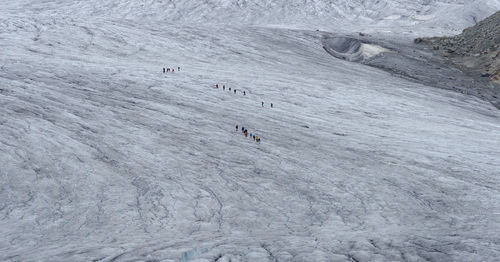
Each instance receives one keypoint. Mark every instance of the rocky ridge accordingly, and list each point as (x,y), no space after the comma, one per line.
(476,50)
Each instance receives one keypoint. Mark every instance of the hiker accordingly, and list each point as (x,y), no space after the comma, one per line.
(254,137)
(168,70)
(230,89)
(178,68)
(164,70)
(242,129)
(262,103)
(235,91)
(236,127)
(244,93)
(223,87)
(271,105)
(246,133)
(250,134)
(173,70)
(217,85)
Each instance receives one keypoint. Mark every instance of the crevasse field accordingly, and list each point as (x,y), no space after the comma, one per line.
(105,158)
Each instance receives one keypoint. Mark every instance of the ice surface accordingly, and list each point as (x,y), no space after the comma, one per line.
(371,50)
(105,158)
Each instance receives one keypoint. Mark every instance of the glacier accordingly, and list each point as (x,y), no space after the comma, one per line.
(105,158)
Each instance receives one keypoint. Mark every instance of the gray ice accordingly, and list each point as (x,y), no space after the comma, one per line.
(105,158)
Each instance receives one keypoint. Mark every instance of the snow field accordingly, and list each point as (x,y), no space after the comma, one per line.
(103,157)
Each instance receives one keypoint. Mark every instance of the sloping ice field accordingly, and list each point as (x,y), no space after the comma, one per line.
(103,157)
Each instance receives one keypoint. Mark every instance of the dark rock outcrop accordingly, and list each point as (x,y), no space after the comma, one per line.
(476,50)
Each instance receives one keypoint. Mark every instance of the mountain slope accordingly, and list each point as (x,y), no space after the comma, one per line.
(105,158)
(421,15)
(476,49)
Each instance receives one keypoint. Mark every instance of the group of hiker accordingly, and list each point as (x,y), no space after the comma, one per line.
(234,89)
(168,69)
(246,133)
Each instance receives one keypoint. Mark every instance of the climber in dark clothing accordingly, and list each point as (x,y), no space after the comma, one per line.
(244,93)
(235,91)
(164,70)
(271,105)
(236,127)
(262,103)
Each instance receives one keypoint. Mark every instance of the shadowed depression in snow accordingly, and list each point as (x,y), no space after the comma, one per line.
(105,157)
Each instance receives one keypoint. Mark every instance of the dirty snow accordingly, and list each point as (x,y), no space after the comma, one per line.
(105,158)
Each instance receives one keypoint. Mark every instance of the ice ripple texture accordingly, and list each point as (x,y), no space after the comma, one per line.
(104,158)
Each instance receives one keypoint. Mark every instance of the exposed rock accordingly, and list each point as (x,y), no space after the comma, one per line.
(475,50)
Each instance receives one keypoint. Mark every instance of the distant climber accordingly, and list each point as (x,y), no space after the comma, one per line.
(223,87)
(230,89)
(236,127)
(250,134)
(254,137)
(164,70)
(244,93)
(168,70)
(242,129)
(178,68)
(173,70)
(235,91)
(217,85)
(271,105)
(262,103)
